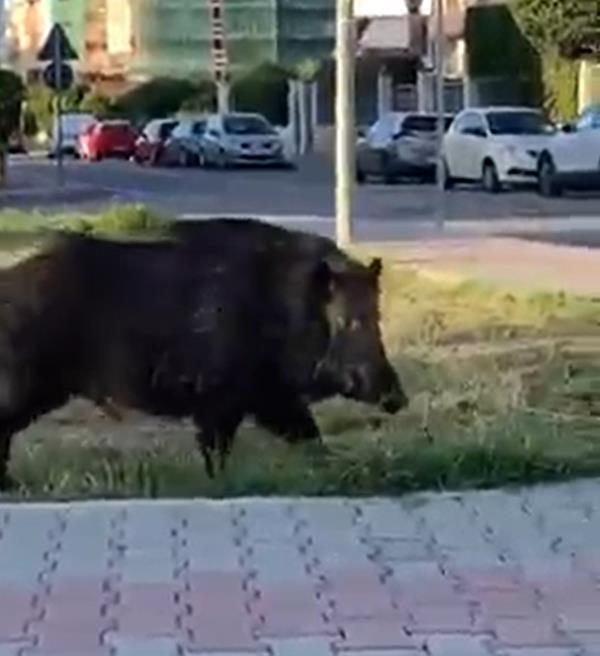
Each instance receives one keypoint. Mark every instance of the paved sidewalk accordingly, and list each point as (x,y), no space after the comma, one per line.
(478,574)
(533,266)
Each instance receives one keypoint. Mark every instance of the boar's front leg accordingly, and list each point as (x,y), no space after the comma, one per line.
(216,433)
(287,415)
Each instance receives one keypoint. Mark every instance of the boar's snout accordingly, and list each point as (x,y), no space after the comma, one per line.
(384,389)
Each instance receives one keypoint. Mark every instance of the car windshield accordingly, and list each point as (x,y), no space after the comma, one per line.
(247,125)
(518,123)
(166,129)
(424,123)
(199,128)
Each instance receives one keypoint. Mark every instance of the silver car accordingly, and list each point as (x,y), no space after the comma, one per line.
(398,145)
(185,146)
(241,139)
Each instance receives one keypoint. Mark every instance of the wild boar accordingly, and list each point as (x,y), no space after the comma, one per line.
(228,320)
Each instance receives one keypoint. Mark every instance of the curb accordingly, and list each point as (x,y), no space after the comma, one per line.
(11,198)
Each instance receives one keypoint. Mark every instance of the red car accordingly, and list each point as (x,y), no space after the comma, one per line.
(150,144)
(107,139)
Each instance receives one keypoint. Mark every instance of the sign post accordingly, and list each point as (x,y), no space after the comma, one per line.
(59,77)
(439,95)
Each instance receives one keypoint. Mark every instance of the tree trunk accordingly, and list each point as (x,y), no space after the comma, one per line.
(3,161)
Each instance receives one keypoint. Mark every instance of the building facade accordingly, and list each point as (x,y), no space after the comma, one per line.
(141,39)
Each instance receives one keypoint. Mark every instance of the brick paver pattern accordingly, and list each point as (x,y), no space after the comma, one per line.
(494,573)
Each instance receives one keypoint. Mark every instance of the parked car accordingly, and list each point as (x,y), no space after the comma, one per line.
(496,146)
(241,138)
(16,144)
(185,146)
(399,144)
(107,139)
(73,125)
(149,146)
(571,160)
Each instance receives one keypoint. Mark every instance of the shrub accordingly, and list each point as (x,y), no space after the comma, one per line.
(155,99)
(263,90)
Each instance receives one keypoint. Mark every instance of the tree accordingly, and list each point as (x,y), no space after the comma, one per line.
(156,98)
(263,89)
(39,109)
(561,31)
(97,104)
(12,93)
(204,98)
(565,26)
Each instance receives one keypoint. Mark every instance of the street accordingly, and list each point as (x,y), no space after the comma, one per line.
(305,197)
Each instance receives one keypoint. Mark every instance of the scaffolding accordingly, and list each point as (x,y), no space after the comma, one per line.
(192,38)
(177,38)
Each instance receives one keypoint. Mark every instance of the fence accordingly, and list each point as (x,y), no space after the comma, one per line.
(406,96)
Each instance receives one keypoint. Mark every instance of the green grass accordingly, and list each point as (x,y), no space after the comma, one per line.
(17,228)
(504,387)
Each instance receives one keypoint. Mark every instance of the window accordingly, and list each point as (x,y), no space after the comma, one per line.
(511,123)
(166,129)
(241,125)
(590,119)
(424,123)
(470,123)
(198,128)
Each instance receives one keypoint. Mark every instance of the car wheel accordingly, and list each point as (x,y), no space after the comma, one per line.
(182,158)
(221,160)
(361,176)
(489,178)
(547,183)
(388,177)
(448,180)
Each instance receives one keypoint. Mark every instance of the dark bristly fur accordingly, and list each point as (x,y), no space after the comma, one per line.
(230,318)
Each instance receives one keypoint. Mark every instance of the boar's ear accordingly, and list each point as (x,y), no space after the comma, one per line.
(375,267)
(323,279)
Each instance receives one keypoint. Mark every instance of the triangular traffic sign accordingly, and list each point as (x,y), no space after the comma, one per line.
(57,39)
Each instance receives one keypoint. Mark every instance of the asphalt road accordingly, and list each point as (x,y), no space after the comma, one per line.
(305,196)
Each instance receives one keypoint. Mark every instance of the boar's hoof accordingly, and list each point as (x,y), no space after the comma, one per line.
(208,463)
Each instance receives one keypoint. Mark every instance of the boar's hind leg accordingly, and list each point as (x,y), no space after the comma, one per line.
(7,432)
(287,416)
(5,442)
(216,434)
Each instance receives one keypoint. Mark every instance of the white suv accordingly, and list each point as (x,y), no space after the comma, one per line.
(496,146)
(572,158)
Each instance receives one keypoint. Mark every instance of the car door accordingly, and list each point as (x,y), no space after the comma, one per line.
(577,146)
(461,147)
(211,139)
(372,148)
(586,143)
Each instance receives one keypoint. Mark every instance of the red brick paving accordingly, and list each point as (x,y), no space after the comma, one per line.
(366,607)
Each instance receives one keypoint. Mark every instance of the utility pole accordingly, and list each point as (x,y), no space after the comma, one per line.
(345,138)
(439,94)
(58,62)
(219,55)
